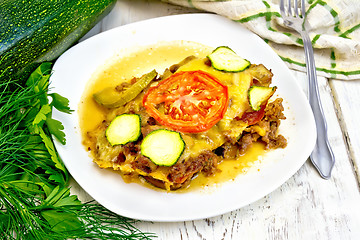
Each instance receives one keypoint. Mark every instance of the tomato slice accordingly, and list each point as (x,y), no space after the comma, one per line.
(187,101)
(254,116)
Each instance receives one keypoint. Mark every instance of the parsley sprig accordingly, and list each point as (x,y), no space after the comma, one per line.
(35,199)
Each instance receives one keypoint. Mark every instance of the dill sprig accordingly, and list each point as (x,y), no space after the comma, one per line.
(35,199)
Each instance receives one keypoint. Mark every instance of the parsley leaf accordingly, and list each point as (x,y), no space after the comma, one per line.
(58,219)
(41,116)
(60,103)
(55,128)
(51,148)
(39,81)
(61,221)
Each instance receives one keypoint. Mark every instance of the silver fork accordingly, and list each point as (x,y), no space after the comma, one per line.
(322,156)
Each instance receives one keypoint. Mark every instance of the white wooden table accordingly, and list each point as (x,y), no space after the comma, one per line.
(304,207)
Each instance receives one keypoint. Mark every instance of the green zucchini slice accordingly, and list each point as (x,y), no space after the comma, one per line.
(259,95)
(225,59)
(111,98)
(123,129)
(163,147)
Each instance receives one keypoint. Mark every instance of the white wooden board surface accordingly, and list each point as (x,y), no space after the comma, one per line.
(304,207)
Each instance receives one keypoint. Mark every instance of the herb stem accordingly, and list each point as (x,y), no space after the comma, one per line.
(35,200)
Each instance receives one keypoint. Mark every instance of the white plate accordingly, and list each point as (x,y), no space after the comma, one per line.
(74,68)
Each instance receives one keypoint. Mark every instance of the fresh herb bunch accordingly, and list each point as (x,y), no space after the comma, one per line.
(35,200)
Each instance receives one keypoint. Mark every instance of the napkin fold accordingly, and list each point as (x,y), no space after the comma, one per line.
(333,26)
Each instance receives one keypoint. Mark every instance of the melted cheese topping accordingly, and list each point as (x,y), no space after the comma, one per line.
(161,57)
(238,85)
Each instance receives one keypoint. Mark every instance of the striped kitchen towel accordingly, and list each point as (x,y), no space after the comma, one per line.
(333,25)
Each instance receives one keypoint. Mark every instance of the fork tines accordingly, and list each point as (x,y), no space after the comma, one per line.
(292,10)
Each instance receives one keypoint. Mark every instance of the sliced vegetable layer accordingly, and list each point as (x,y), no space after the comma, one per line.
(254,117)
(111,98)
(188,101)
(258,95)
(225,59)
(123,129)
(163,147)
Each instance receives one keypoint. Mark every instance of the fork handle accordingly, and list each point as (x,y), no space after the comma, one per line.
(322,156)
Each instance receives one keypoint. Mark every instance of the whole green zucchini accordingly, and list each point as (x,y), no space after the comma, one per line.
(36,31)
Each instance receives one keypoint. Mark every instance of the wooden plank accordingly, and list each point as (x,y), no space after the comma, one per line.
(347,105)
(129,11)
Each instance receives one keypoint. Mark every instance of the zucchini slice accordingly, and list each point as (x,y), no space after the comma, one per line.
(123,129)
(259,95)
(225,59)
(111,98)
(163,147)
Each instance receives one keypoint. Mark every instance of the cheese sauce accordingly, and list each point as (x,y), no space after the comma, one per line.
(129,64)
